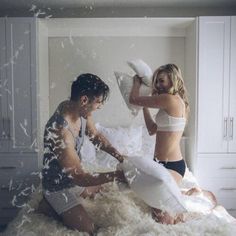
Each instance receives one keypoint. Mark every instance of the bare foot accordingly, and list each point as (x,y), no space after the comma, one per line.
(211,196)
(193,191)
(206,193)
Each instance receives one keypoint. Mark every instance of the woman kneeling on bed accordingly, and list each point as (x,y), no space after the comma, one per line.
(169,96)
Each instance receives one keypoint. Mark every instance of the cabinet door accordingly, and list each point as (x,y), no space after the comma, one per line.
(214,39)
(21,74)
(4,121)
(232,114)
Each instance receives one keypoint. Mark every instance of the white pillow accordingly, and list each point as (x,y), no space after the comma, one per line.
(148,143)
(125,83)
(88,151)
(142,70)
(153,183)
(127,141)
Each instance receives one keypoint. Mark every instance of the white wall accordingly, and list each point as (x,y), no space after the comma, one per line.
(70,56)
(191,85)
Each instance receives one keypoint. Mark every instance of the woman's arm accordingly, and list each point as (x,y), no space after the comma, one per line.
(156,101)
(150,124)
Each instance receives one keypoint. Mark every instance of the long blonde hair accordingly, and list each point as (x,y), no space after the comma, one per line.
(178,87)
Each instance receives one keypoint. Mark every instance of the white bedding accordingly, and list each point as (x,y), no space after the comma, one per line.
(118,211)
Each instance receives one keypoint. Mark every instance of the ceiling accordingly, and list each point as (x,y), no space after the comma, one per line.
(7,4)
(44,7)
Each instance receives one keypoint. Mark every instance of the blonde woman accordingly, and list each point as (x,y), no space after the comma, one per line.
(169,96)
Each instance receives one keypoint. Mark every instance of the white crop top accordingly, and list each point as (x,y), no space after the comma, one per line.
(165,122)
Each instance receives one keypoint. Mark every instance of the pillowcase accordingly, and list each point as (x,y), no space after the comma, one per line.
(148,143)
(142,70)
(125,83)
(88,151)
(153,183)
(127,141)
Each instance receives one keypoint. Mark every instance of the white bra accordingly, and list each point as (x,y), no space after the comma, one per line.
(165,122)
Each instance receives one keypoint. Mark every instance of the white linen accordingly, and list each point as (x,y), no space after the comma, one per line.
(122,212)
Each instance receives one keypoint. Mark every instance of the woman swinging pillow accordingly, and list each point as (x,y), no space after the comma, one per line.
(169,96)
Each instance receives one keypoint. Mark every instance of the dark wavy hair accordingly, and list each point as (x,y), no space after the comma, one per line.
(91,86)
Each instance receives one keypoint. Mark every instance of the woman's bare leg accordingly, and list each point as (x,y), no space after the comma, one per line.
(178,178)
(206,193)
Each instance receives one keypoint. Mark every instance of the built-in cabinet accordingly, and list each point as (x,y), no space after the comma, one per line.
(232,94)
(3,90)
(216,111)
(18,108)
(217,82)
(18,118)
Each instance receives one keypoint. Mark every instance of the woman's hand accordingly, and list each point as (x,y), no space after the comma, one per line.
(137,80)
(135,89)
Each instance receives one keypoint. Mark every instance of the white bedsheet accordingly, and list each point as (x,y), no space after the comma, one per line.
(117,211)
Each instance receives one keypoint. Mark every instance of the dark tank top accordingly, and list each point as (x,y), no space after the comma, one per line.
(54,177)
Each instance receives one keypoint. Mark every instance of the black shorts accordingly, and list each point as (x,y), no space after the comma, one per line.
(178,166)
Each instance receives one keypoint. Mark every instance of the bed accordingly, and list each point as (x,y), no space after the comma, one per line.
(118,210)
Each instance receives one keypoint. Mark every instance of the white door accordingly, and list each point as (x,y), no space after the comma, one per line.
(214,33)
(21,53)
(232,113)
(4,121)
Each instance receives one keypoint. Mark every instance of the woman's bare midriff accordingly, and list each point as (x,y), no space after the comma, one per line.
(168,149)
(168,146)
